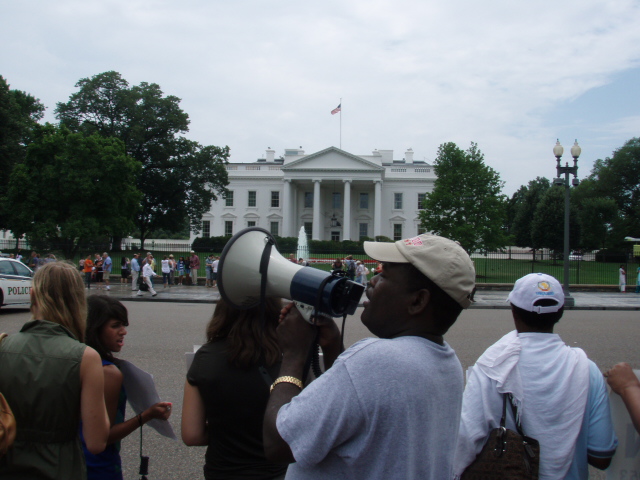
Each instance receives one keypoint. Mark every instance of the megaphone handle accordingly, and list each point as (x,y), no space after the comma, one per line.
(313,360)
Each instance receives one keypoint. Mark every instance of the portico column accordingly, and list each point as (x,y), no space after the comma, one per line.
(315,235)
(346,228)
(377,208)
(287,211)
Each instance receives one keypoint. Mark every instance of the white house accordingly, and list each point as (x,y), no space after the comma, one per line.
(334,194)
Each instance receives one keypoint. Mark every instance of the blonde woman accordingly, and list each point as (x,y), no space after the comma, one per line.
(52,381)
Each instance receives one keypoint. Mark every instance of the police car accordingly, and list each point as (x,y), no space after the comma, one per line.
(15,282)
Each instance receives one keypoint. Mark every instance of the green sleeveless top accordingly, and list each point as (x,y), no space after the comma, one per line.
(40,378)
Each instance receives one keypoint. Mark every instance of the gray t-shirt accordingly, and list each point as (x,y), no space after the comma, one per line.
(385,409)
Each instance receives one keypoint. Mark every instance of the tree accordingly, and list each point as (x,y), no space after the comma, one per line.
(618,178)
(596,215)
(547,227)
(72,188)
(19,116)
(466,204)
(524,211)
(180,178)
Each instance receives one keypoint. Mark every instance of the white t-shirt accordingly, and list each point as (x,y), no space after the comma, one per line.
(165,266)
(386,409)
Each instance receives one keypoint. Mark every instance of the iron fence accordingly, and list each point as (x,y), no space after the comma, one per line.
(491,267)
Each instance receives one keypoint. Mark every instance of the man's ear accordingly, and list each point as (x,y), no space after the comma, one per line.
(421,299)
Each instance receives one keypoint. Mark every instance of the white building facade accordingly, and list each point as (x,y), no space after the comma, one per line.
(334,194)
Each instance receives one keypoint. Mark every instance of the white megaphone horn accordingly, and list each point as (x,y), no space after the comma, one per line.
(250,266)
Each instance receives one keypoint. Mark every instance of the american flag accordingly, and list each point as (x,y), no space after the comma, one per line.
(336,110)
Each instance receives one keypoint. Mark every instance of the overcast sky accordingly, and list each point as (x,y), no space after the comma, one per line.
(510,76)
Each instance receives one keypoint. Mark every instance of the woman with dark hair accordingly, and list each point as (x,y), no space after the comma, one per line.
(107,320)
(227,390)
(125,268)
(52,381)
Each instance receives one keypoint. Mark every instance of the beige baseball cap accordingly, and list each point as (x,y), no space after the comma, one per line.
(442,260)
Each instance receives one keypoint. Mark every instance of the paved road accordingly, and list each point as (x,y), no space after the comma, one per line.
(160,333)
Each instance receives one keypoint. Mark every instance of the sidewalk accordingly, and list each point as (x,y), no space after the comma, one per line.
(488,299)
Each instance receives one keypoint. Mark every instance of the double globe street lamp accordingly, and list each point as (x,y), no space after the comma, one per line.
(558,150)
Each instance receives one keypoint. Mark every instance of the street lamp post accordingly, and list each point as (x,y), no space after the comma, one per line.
(558,150)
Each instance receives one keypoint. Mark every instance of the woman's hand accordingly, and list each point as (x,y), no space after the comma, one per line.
(161,410)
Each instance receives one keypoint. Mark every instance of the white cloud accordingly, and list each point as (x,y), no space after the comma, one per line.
(253,74)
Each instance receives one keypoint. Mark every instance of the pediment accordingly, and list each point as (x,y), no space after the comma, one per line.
(333,159)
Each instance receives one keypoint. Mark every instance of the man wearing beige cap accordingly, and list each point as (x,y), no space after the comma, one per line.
(388,407)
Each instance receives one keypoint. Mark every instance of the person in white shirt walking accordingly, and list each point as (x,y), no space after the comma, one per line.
(147,274)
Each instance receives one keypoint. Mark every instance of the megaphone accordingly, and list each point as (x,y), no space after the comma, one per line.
(251,267)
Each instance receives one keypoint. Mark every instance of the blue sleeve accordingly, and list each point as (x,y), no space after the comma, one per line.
(602,441)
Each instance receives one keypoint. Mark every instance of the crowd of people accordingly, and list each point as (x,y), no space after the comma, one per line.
(393,406)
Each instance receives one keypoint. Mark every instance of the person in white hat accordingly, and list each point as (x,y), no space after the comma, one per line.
(559,394)
(388,407)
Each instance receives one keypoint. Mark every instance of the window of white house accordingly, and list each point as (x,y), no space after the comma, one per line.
(206,229)
(274,228)
(308,199)
(397,201)
(364,200)
(228,228)
(252,198)
(364,230)
(308,229)
(251,223)
(228,199)
(336,200)
(335,236)
(275,199)
(421,198)
(397,231)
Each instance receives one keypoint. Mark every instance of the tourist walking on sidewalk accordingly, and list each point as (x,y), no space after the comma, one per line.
(107,265)
(135,271)
(147,275)
(194,261)
(166,271)
(623,279)
(88,269)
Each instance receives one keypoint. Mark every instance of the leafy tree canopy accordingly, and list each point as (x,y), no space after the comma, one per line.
(547,227)
(19,114)
(72,188)
(179,178)
(618,178)
(466,204)
(524,209)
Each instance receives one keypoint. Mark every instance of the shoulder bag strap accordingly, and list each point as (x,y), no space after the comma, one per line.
(504,410)
(514,411)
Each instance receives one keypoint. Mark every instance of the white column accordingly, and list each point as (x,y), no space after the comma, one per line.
(287,211)
(317,220)
(377,209)
(346,227)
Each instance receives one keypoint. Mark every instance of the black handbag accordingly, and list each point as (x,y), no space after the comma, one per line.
(142,285)
(506,454)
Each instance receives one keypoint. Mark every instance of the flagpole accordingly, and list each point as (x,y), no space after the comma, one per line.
(340,123)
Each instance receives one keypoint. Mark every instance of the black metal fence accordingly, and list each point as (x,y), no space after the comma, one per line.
(491,267)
